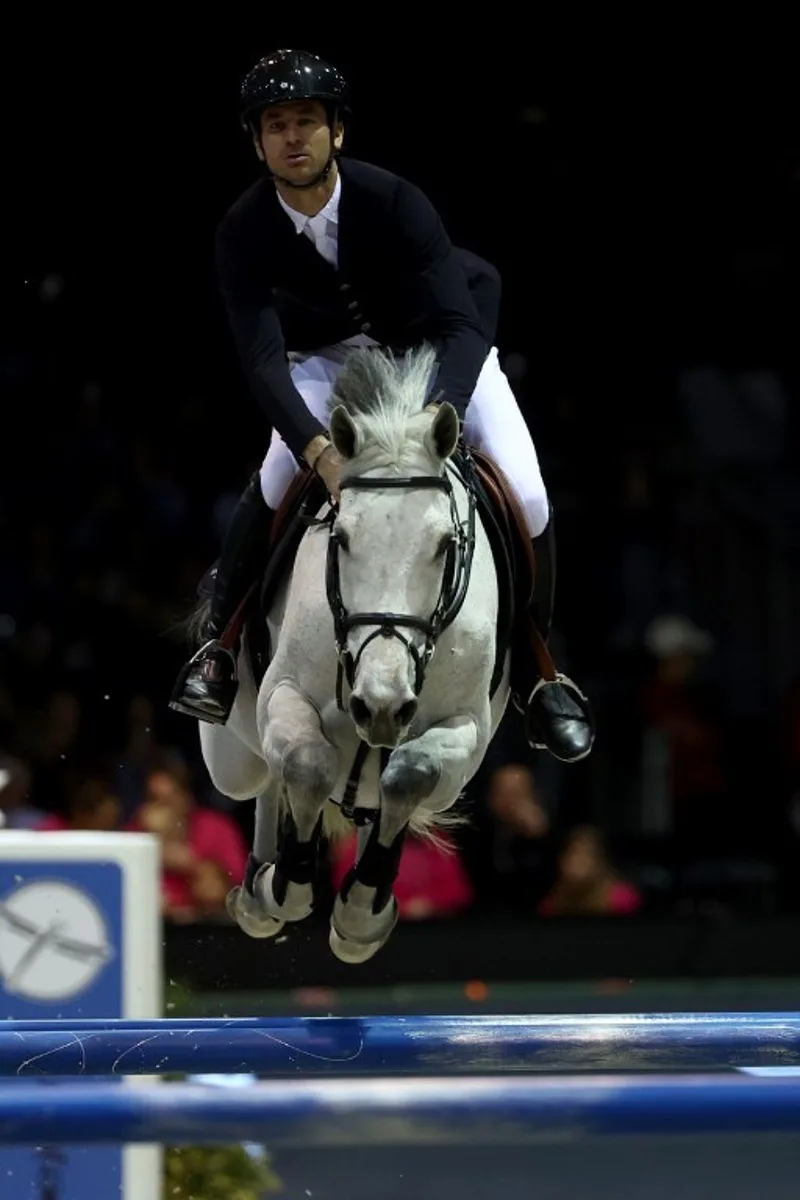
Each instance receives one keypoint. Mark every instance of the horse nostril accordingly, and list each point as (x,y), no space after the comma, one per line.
(359,711)
(406,712)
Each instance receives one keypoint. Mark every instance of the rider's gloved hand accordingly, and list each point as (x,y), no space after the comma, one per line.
(323,457)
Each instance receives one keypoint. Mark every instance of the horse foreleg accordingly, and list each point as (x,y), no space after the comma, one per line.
(434,768)
(240,774)
(429,770)
(245,903)
(304,763)
(265,835)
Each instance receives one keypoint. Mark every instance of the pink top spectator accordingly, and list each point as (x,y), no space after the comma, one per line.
(212,837)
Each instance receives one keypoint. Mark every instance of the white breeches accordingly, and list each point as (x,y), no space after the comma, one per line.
(493,425)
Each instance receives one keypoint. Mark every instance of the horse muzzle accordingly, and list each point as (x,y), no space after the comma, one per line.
(386,726)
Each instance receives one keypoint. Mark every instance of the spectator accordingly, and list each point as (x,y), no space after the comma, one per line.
(586,884)
(203,852)
(16,812)
(678,715)
(90,804)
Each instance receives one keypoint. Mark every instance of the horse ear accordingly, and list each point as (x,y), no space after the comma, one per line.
(344,434)
(444,430)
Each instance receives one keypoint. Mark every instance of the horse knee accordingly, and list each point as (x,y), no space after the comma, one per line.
(410,775)
(310,768)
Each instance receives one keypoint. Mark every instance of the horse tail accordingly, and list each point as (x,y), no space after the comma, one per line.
(191,628)
(195,622)
(334,823)
(427,826)
(430,826)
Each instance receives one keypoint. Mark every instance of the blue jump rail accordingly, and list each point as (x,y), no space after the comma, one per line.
(390,1111)
(427,1045)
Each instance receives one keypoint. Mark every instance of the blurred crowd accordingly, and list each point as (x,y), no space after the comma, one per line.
(677,601)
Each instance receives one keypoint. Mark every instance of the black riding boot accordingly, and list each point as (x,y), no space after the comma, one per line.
(206,687)
(557,715)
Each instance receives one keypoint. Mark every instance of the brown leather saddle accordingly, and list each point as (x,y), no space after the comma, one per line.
(515,563)
(501,517)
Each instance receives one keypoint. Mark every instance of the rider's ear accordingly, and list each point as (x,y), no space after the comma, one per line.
(443,434)
(344,434)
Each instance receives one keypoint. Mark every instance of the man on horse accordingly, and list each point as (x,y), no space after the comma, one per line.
(321,254)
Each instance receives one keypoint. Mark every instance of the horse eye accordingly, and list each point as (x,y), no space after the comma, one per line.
(343,539)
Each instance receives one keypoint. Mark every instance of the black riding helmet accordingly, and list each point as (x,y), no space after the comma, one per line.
(286,76)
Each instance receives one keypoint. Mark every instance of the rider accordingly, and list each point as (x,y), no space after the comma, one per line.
(323,253)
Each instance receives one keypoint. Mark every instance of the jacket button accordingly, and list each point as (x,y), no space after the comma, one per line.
(365,328)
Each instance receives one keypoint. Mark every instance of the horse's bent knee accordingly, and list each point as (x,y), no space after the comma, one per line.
(310,767)
(410,774)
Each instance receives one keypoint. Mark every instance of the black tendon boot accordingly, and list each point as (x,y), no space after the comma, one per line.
(206,687)
(557,715)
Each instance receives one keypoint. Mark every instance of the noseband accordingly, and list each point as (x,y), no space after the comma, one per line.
(455,581)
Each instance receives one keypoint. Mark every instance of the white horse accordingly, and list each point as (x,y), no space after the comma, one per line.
(378,696)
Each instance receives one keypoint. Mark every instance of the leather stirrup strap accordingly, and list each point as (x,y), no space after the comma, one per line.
(233,630)
(544,660)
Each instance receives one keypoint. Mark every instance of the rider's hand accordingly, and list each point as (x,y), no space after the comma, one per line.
(323,457)
(329,469)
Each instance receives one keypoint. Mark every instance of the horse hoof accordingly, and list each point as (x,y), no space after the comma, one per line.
(250,915)
(297,904)
(355,936)
(353,952)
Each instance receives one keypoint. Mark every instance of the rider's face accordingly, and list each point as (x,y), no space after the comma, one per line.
(295,139)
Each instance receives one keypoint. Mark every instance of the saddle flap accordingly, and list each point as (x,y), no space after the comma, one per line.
(512,521)
(516,563)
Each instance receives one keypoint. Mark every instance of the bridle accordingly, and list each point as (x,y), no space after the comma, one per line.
(452,592)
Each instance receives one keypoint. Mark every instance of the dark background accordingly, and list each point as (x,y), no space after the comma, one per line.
(638,189)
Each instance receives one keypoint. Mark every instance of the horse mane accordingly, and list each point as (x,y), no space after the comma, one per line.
(383,393)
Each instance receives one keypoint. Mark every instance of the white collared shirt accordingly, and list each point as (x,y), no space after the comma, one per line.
(323,229)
